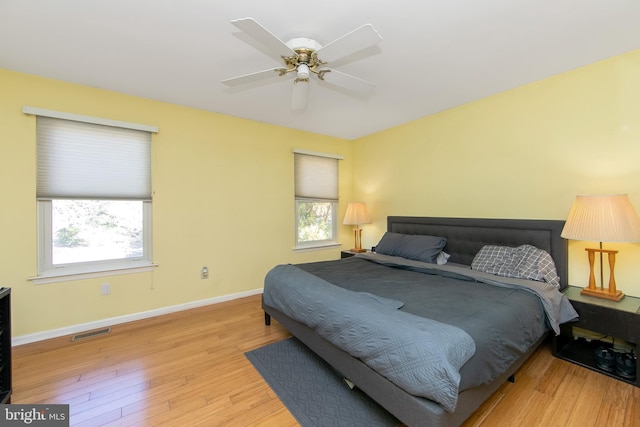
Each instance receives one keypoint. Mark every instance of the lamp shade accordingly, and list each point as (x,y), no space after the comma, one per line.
(357,214)
(603,218)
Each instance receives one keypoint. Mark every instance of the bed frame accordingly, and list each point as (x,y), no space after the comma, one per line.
(465,237)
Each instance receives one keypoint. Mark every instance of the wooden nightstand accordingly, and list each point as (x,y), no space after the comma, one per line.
(619,320)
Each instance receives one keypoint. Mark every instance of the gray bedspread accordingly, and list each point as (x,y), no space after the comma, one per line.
(503,321)
(557,307)
(421,356)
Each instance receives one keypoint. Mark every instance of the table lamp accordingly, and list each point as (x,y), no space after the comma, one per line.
(357,214)
(603,218)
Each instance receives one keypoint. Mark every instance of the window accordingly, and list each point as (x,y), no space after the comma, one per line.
(316,199)
(93,195)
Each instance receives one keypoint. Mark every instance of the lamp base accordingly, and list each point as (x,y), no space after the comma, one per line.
(603,293)
(610,293)
(357,250)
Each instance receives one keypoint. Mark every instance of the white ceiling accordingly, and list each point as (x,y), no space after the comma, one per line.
(434,54)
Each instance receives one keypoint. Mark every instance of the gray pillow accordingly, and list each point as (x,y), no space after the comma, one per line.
(411,246)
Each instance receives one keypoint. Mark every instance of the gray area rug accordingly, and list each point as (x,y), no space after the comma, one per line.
(312,391)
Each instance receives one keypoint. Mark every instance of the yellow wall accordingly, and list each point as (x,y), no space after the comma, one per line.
(524,153)
(223,197)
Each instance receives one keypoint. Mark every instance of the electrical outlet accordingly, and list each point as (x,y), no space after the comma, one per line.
(105,289)
(204,274)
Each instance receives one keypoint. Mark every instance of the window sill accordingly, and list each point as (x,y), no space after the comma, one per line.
(317,247)
(69,274)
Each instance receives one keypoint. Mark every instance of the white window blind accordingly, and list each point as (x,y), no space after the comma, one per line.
(316,177)
(79,160)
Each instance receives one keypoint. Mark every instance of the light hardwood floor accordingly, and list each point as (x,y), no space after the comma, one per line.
(189,369)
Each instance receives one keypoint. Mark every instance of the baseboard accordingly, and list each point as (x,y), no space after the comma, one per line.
(70,330)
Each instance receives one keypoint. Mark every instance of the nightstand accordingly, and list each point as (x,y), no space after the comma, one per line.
(619,320)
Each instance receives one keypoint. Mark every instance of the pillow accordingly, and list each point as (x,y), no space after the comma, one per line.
(522,262)
(411,246)
(537,264)
(442,258)
(498,260)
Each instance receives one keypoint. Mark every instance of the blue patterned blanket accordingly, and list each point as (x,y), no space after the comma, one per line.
(421,356)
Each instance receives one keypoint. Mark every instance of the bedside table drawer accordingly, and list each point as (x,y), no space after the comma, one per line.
(619,324)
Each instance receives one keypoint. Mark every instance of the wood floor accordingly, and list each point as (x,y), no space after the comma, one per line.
(189,369)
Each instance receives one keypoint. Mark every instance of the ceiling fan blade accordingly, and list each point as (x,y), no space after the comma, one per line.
(271,45)
(348,82)
(357,40)
(300,94)
(251,78)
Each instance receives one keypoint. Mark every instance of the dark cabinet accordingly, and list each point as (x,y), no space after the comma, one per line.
(618,320)
(5,345)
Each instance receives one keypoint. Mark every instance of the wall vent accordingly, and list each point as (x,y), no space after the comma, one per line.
(90,334)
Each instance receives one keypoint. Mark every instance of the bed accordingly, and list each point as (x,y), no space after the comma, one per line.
(458,314)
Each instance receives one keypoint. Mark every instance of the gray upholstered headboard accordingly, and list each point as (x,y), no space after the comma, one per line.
(466,236)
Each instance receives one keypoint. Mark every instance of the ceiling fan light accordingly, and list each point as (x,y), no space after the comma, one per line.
(303,43)
(303,71)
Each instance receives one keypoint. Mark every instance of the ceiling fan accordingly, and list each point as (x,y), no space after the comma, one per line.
(303,57)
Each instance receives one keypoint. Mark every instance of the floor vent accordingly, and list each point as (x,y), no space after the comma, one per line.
(90,334)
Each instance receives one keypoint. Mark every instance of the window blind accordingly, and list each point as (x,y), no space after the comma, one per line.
(316,177)
(77,160)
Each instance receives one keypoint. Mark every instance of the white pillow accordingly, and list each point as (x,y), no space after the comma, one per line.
(442,259)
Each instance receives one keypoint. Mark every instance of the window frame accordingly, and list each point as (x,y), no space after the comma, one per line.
(51,273)
(317,244)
